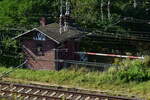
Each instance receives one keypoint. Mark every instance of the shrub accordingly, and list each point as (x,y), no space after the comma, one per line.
(133,71)
(112,70)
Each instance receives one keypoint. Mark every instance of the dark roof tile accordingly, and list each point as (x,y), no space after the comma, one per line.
(52,30)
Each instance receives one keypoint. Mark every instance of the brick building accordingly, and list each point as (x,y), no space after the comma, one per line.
(42,46)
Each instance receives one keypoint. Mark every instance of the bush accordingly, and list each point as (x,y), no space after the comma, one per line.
(133,71)
(112,70)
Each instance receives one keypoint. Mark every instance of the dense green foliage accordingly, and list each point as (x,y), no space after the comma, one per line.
(25,14)
(87,13)
(133,71)
(17,16)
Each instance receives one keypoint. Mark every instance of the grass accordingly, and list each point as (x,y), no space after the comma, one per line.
(103,81)
(132,77)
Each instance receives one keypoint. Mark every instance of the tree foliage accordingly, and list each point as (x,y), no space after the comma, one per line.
(124,16)
(86,13)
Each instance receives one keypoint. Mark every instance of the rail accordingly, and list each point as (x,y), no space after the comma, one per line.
(30,92)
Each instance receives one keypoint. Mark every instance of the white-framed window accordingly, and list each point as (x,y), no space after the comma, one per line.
(39,36)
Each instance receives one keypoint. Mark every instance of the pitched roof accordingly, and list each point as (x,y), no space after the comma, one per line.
(52,32)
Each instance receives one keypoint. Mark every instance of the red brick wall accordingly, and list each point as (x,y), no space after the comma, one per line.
(68,51)
(44,62)
(71,47)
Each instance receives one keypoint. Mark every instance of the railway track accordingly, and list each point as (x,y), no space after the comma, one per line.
(30,92)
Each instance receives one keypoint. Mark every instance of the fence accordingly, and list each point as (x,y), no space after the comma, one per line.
(63,62)
(86,63)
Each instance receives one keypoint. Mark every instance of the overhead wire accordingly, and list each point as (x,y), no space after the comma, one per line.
(108,16)
(144,35)
(120,19)
(125,31)
(127,19)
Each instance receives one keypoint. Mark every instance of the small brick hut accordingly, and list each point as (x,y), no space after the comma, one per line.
(44,45)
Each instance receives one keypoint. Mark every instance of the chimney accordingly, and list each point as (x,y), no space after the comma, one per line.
(43,21)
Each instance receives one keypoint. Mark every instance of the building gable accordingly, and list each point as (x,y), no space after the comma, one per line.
(38,36)
(52,32)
